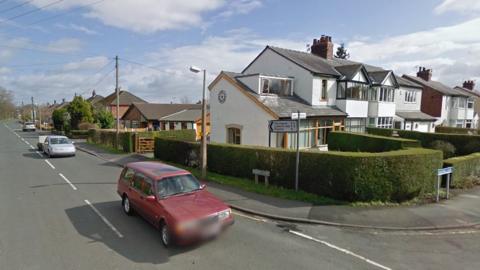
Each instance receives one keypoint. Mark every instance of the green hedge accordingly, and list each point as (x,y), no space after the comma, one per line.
(464,144)
(464,169)
(380,131)
(356,142)
(455,130)
(182,135)
(389,176)
(78,134)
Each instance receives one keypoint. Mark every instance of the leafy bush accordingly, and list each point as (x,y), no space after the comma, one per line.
(455,130)
(355,142)
(80,110)
(60,119)
(389,176)
(104,119)
(87,126)
(464,144)
(447,148)
(466,170)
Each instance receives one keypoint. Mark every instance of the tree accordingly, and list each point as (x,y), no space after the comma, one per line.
(342,52)
(60,119)
(104,119)
(7,107)
(80,111)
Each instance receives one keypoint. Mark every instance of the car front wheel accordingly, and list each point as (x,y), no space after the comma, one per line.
(165,233)
(127,208)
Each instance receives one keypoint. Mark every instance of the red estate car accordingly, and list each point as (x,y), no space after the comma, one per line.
(173,200)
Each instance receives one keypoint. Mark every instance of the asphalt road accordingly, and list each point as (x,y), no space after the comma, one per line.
(64,213)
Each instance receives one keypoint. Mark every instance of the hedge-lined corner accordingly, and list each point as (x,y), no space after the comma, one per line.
(464,144)
(127,139)
(387,132)
(347,176)
(356,142)
(465,170)
(455,130)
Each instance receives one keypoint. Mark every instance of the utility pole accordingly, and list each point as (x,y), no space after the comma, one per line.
(39,111)
(118,101)
(33,111)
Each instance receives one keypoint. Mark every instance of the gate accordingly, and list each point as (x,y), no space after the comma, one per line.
(144,144)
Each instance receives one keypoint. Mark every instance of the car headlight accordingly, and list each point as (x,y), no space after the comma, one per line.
(185,226)
(225,214)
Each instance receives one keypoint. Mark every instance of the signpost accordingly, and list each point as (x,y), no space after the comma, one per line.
(283,126)
(444,171)
(298,116)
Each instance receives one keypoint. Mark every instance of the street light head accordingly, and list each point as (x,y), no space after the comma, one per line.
(195,69)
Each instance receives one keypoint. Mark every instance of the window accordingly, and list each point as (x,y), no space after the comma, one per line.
(356,91)
(184,125)
(341,89)
(385,122)
(281,87)
(171,126)
(177,185)
(234,136)
(371,122)
(468,123)
(127,174)
(386,94)
(459,124)
(142,184)
(470,104)
(355,124)
(410,96)
(323,94)
(373,94)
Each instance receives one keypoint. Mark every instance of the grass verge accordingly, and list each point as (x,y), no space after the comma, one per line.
(106,148)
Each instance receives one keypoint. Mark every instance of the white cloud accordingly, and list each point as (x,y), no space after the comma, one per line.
(461,6)
(90,63)
(78,28)
(240,7)
(451,51)
(145,16)
(64,45)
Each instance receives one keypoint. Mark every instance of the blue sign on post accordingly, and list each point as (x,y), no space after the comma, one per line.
(444,171)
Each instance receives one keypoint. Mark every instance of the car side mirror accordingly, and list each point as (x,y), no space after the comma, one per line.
(150,198)
(203,186)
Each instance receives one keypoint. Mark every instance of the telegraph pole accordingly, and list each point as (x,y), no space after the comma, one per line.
(33,111)
(204,128)
(118,100)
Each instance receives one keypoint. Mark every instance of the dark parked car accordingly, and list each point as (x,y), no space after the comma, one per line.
(174,201)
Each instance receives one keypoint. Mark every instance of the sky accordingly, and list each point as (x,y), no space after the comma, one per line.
(54,49)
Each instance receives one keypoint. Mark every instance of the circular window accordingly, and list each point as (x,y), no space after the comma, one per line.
(222,96)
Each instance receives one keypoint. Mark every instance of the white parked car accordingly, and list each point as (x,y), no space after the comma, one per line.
(28,126)
(58,146)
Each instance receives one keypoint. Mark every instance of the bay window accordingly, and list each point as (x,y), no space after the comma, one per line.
(278,86)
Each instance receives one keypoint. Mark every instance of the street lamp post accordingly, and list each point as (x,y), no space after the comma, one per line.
(203,148)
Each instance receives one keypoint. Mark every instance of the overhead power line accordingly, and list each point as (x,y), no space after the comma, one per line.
(140,64)
(31,11)
(16,6)
(65,13)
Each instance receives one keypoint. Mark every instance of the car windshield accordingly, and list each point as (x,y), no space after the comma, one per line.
(177,185)
(59,141)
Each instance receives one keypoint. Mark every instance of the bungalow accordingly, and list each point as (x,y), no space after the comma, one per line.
(408,114)
(452,107)
(162,116)
(335,94)
(125,100)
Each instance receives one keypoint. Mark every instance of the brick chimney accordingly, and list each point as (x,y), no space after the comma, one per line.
(94,93)
(470,85)
(323,47)
(424,73)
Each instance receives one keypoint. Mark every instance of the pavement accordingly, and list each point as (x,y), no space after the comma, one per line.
(64,213)
(461,211)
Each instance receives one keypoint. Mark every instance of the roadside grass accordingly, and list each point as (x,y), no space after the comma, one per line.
(108,149)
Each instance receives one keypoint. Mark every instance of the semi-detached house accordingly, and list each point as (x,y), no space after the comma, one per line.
(452,107)
(335,94)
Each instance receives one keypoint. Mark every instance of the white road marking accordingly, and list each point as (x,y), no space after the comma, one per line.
(249,217)
(50,164)
(104,219)
(471,196)
(348,252)
(68,181)
(38,152)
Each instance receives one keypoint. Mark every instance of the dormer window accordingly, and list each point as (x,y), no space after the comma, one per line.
(277,86)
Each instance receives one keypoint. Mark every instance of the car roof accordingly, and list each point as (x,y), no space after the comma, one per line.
(57,137)
(156,170)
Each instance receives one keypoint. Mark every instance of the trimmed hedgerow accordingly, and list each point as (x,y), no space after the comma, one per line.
(465,169)
(455,130)
(387,132)
(356,142)
(464,144)
(351,176)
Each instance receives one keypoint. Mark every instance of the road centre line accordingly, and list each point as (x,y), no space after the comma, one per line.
(50,164)
(68,181)
(348,252)
(105,220)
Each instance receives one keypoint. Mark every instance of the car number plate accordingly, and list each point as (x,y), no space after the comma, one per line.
(212,230)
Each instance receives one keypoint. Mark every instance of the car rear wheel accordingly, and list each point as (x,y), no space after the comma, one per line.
(127,208)
(165,234)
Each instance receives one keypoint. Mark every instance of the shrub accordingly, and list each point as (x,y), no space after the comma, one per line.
(455,130)
(355,142)
(104,118)
(78,134)
(389,176)
(447,148)
(466,170)
(380,131)
(464,144)
(87,126)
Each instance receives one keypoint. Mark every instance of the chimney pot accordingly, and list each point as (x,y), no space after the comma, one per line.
(424,73)
(470,85)
(323,47)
